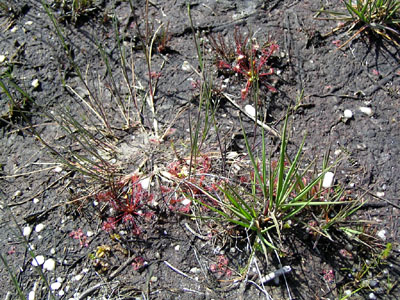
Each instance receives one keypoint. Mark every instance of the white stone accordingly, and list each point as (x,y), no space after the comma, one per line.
(2,58)
(58,169)
(17,193)
(380,194)
(177,247)
(27,231)
(38,261)
(55,286)
(372,296)
(250,110)
(36,200)
(31,295)
(89,233)
(78,277)
(186,66)
(39,227)
(366,110)
(186,201)
(53,251)
(35,83)
(347,114)
(145,183)
(28,23)
(382,234)
(49,264)
(61,293)
(328,180)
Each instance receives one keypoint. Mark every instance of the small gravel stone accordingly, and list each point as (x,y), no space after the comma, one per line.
(380,194)
(373,283)
(372,296)
(35,83)
(177,247)
(328,180)
(2,58)
(49,264)
(347,292)
(366,110)
(153,279)
(39,227)
(27,231)
(55,285)
(250,110)
(382,234)
(347,114)
(78,277)
(194,270)
(89,233)
(38,261)
(186,66)
(58,169)
(36,200)
(17,193)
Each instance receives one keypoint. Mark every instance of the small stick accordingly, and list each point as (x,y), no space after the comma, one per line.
(276,274)
(259,123)
(178,271)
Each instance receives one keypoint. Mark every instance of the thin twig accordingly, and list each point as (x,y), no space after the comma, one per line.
(259,123)
(178,271)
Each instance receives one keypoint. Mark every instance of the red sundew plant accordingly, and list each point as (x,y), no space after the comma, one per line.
(128,200)
(221,267)
(250,62)
(79,235)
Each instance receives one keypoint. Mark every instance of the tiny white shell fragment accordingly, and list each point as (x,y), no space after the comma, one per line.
(49,264)
(57,169)
(250,110)
(366,110)
(55,286)
(145,183)
(328,180)
(2,58)
(39,227)
(35,83)
(27,231)
(38,261)
(31,295)
(186,66)
(186,201)
(347,114)
(382,234)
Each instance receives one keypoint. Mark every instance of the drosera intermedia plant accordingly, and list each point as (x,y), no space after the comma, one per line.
(129,201)
(278,193)
(249,59)
(379,17)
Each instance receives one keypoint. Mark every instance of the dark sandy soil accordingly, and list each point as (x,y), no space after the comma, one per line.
(173,257)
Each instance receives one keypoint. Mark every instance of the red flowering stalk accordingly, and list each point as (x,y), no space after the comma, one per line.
(251,63)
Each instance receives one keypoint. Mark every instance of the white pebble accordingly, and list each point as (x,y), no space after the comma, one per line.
(177,247)
(61,293)
(28,23)
(78,277)
(17,193)
(31,295)
(186,201)
(53,251)
(347,114)
(347,292)
(38,261)
(145,183)
(35,83)
(39,227)
(36,200)
(186,66)
(89,233)
(382,234)
(194,270)
(380,194)
(55,286)
(250,110)
(14,29)
(58,169)
(2,58)
(49,264)
(328,180)
(372,296)
(27,231)
(366,110)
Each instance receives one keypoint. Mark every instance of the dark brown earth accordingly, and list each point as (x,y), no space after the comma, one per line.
(175,255)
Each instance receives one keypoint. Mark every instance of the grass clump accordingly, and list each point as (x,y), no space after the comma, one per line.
(379,17)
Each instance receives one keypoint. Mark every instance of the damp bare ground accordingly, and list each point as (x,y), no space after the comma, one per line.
(163,254)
